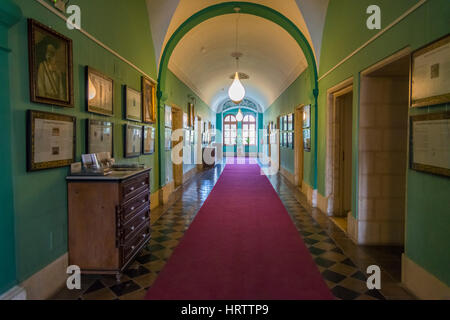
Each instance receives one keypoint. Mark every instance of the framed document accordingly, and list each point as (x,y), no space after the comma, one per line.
(149,140)
(307,140)
(133,107)
(148,100)
(99,93)
(430,143)
(290,122)
(168,139)
(185,120)
(430,74)
(306,117)
(168,117)
(100,137)
(50,65)
(133,141)
(51,140)
(187,137)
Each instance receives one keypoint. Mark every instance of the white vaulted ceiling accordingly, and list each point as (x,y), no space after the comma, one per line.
(271,58)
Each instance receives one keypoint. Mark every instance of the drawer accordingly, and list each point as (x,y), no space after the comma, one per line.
(130,249)
(134,186)
(132,207)
(141,220)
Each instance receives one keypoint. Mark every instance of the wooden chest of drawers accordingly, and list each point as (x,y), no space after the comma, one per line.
(109,220)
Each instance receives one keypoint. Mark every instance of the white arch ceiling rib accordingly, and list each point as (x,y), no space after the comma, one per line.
(207,72)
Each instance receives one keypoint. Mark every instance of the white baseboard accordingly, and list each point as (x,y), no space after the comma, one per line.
(322,203)
(311,194)
(352,227)
(422,283)
(48,281)
(15,293)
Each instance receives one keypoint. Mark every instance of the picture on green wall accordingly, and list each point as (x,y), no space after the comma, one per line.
(148,140)
(148,88)
(133,108)
(99,136)
(307,140)
(50,66)
(99,92)
(133,141)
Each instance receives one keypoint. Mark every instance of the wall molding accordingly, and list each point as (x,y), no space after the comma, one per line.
(311,194)
(48,281)
(379,34)
(91,37)
(422,283)
(15,293)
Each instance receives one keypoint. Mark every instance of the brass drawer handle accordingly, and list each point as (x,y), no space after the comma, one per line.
(143,218)
(143,183)
(132,228)
(143,201)
(132,189)
(132,208)
(133,247)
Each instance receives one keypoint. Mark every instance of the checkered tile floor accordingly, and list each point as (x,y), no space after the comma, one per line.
(341,274)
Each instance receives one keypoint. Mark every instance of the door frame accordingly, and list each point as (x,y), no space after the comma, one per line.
(332,159)
(298,146)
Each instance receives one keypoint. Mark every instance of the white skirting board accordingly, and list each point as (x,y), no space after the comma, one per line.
(15,293)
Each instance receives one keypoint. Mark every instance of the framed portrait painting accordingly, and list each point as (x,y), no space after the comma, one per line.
(430,76)
(100,136)
(133,108)
(50,65)
(99,93)
(148,100)
(51,140)
(133,141)
(149,140)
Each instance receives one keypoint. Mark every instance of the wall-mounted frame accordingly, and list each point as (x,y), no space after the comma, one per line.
(50,66)
(306,117)
(430,143)
(99,92)
(187,137)
(429,76)
(191,115)
(168,139)
(291,139)
(133,141)
(185,120)
(133,104)
(307,140)
(290,122)
(51,140)
(148,88)
(148,140)
(168,117)
(99,137)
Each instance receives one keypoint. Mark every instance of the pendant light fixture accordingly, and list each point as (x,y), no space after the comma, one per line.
(239,116)
(237,90)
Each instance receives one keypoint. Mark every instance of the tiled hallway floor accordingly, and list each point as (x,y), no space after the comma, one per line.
(341,263)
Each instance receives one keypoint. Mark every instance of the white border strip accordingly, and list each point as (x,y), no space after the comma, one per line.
(101,44)
(379,34)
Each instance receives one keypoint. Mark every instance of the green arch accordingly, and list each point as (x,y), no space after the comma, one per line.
(228,8)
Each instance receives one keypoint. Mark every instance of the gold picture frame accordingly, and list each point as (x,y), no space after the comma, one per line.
(428,85)
(99,92)
(148,88)
(50,66)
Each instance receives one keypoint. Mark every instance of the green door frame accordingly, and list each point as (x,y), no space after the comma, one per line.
(10,14)
(219,10)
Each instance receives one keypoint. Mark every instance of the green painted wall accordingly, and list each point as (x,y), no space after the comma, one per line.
(9,14)
(40,198)
(178,92)
(427,236)
(298,93)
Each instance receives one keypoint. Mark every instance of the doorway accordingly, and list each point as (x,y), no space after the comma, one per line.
(298,146)
(177,124)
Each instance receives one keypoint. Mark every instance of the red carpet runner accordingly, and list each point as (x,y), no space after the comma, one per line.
(242,245)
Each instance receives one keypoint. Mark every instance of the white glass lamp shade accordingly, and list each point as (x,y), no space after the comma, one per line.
(239,116)
(92,91)
(237,90)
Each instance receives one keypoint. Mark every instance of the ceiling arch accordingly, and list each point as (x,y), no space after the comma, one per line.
(166,16)
(271,57)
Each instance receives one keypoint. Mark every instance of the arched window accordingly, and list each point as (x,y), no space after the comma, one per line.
(249,130)
(230,130)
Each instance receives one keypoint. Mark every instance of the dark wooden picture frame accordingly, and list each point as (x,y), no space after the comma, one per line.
(148,88)
(89,133)
(145,137)
(32,165)
(51,82)
(421,166)
(134,154)
(127,92)
(435,72)
(90,106)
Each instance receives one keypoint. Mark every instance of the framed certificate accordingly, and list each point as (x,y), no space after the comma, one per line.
(100,136)
(149,140)
(430,143)
(133,107)
(430,74)
(133,141)
(99,93)
(51,140)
